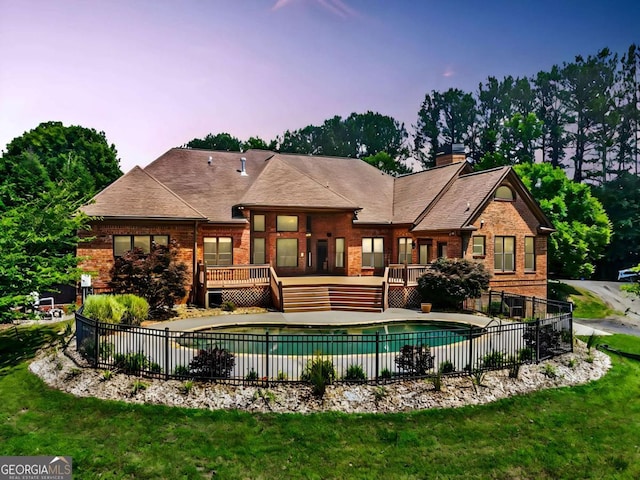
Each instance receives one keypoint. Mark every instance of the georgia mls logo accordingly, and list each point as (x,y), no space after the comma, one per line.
(35,468)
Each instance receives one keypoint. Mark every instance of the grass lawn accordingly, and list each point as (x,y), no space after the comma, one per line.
(590,431)
(586,304)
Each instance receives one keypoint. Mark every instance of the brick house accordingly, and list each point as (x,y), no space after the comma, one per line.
(243,219)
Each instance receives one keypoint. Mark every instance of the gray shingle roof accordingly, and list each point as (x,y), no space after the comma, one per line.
(139,195)
(183,184)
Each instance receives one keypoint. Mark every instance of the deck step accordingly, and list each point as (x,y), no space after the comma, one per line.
(314,298)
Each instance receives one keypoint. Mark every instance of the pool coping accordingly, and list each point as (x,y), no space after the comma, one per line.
(320,319)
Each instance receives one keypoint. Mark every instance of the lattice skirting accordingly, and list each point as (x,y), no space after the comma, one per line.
(404,297)
(248,296)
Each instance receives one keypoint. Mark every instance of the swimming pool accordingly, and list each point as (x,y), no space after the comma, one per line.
(328,340)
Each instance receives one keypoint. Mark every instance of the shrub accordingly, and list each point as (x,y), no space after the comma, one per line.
(548,337)
(436,380)
(514,366)
(550,371)
(449,282)
(415,359)
(138,386)
(320,373)
(156,276)
(526,354)
(494,359)
(181,371)
(379,394)
(187,386)
(103,308)
(212,363)
(252,376)
(446,367)
(228,306)
(117,309)
(355,373)
(282,376)
(131,363)
(136,308)
(385,373)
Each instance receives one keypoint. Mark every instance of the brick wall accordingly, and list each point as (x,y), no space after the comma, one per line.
(97,254)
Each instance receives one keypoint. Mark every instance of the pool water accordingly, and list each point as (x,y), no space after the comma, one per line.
(301,340)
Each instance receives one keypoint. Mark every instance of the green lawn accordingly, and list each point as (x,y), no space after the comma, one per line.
(590,431)
(586,304)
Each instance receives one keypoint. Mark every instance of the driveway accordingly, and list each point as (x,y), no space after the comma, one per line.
(627,307)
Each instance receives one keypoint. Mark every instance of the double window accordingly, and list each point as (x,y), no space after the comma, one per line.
(218,251)
(372,252)
(124,243)
(504,254)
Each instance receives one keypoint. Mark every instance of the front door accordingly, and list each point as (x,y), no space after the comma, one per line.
(322,253)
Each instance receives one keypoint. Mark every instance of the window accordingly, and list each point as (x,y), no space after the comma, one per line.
(259,256)
(479,245)
(529,253)
(372,252)
(504,254)
(425,253)
(287,252)
(123,243)
(258,223)
(287,223)
(442,249)
(340,252)
(218,250)
(404,250)
(504,193)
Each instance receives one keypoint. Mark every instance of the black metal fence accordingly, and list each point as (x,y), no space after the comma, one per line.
(518,307)
(264,358)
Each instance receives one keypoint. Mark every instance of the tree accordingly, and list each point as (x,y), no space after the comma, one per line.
(157,276)
(37,248)
(74,155)
(444,119)
(582,227)
(518,137)
(383,161)
(621,200)
(449,282)
(259,144)
(221,141)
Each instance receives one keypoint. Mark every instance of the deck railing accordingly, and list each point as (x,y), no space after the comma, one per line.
(236,275)
(406,274)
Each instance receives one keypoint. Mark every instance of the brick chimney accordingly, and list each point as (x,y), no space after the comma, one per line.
(451,154)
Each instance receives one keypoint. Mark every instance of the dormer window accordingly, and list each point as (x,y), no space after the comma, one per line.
(505,194)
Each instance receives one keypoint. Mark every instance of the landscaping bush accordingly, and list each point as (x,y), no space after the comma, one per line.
(212,363)
(131,363)
(137,308)
(156,276)
(449,282)
(103,308)
(228,306)
(548,337)
(446,367)
(320,373)
(355,373)
(124,309)
(494,359)
(416,359)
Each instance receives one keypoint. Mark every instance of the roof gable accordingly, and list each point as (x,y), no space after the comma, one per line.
(137,194)
(282,184)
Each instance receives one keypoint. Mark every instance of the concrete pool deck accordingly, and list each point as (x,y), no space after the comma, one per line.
(335,318)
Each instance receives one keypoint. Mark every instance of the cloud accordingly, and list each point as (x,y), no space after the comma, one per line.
(338,8)
(448,72)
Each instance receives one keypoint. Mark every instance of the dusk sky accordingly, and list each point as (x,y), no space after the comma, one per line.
(155,74)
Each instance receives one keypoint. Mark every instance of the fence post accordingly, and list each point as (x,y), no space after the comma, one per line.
(533,307)
(96,342)
(470,349)
(537,340)
(266,353)
(501,302)
(377,355)
(489,311)
(166,353)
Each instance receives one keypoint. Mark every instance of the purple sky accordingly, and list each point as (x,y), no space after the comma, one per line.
(155,74)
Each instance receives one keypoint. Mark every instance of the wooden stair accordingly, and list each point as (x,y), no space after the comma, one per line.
(318,298)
